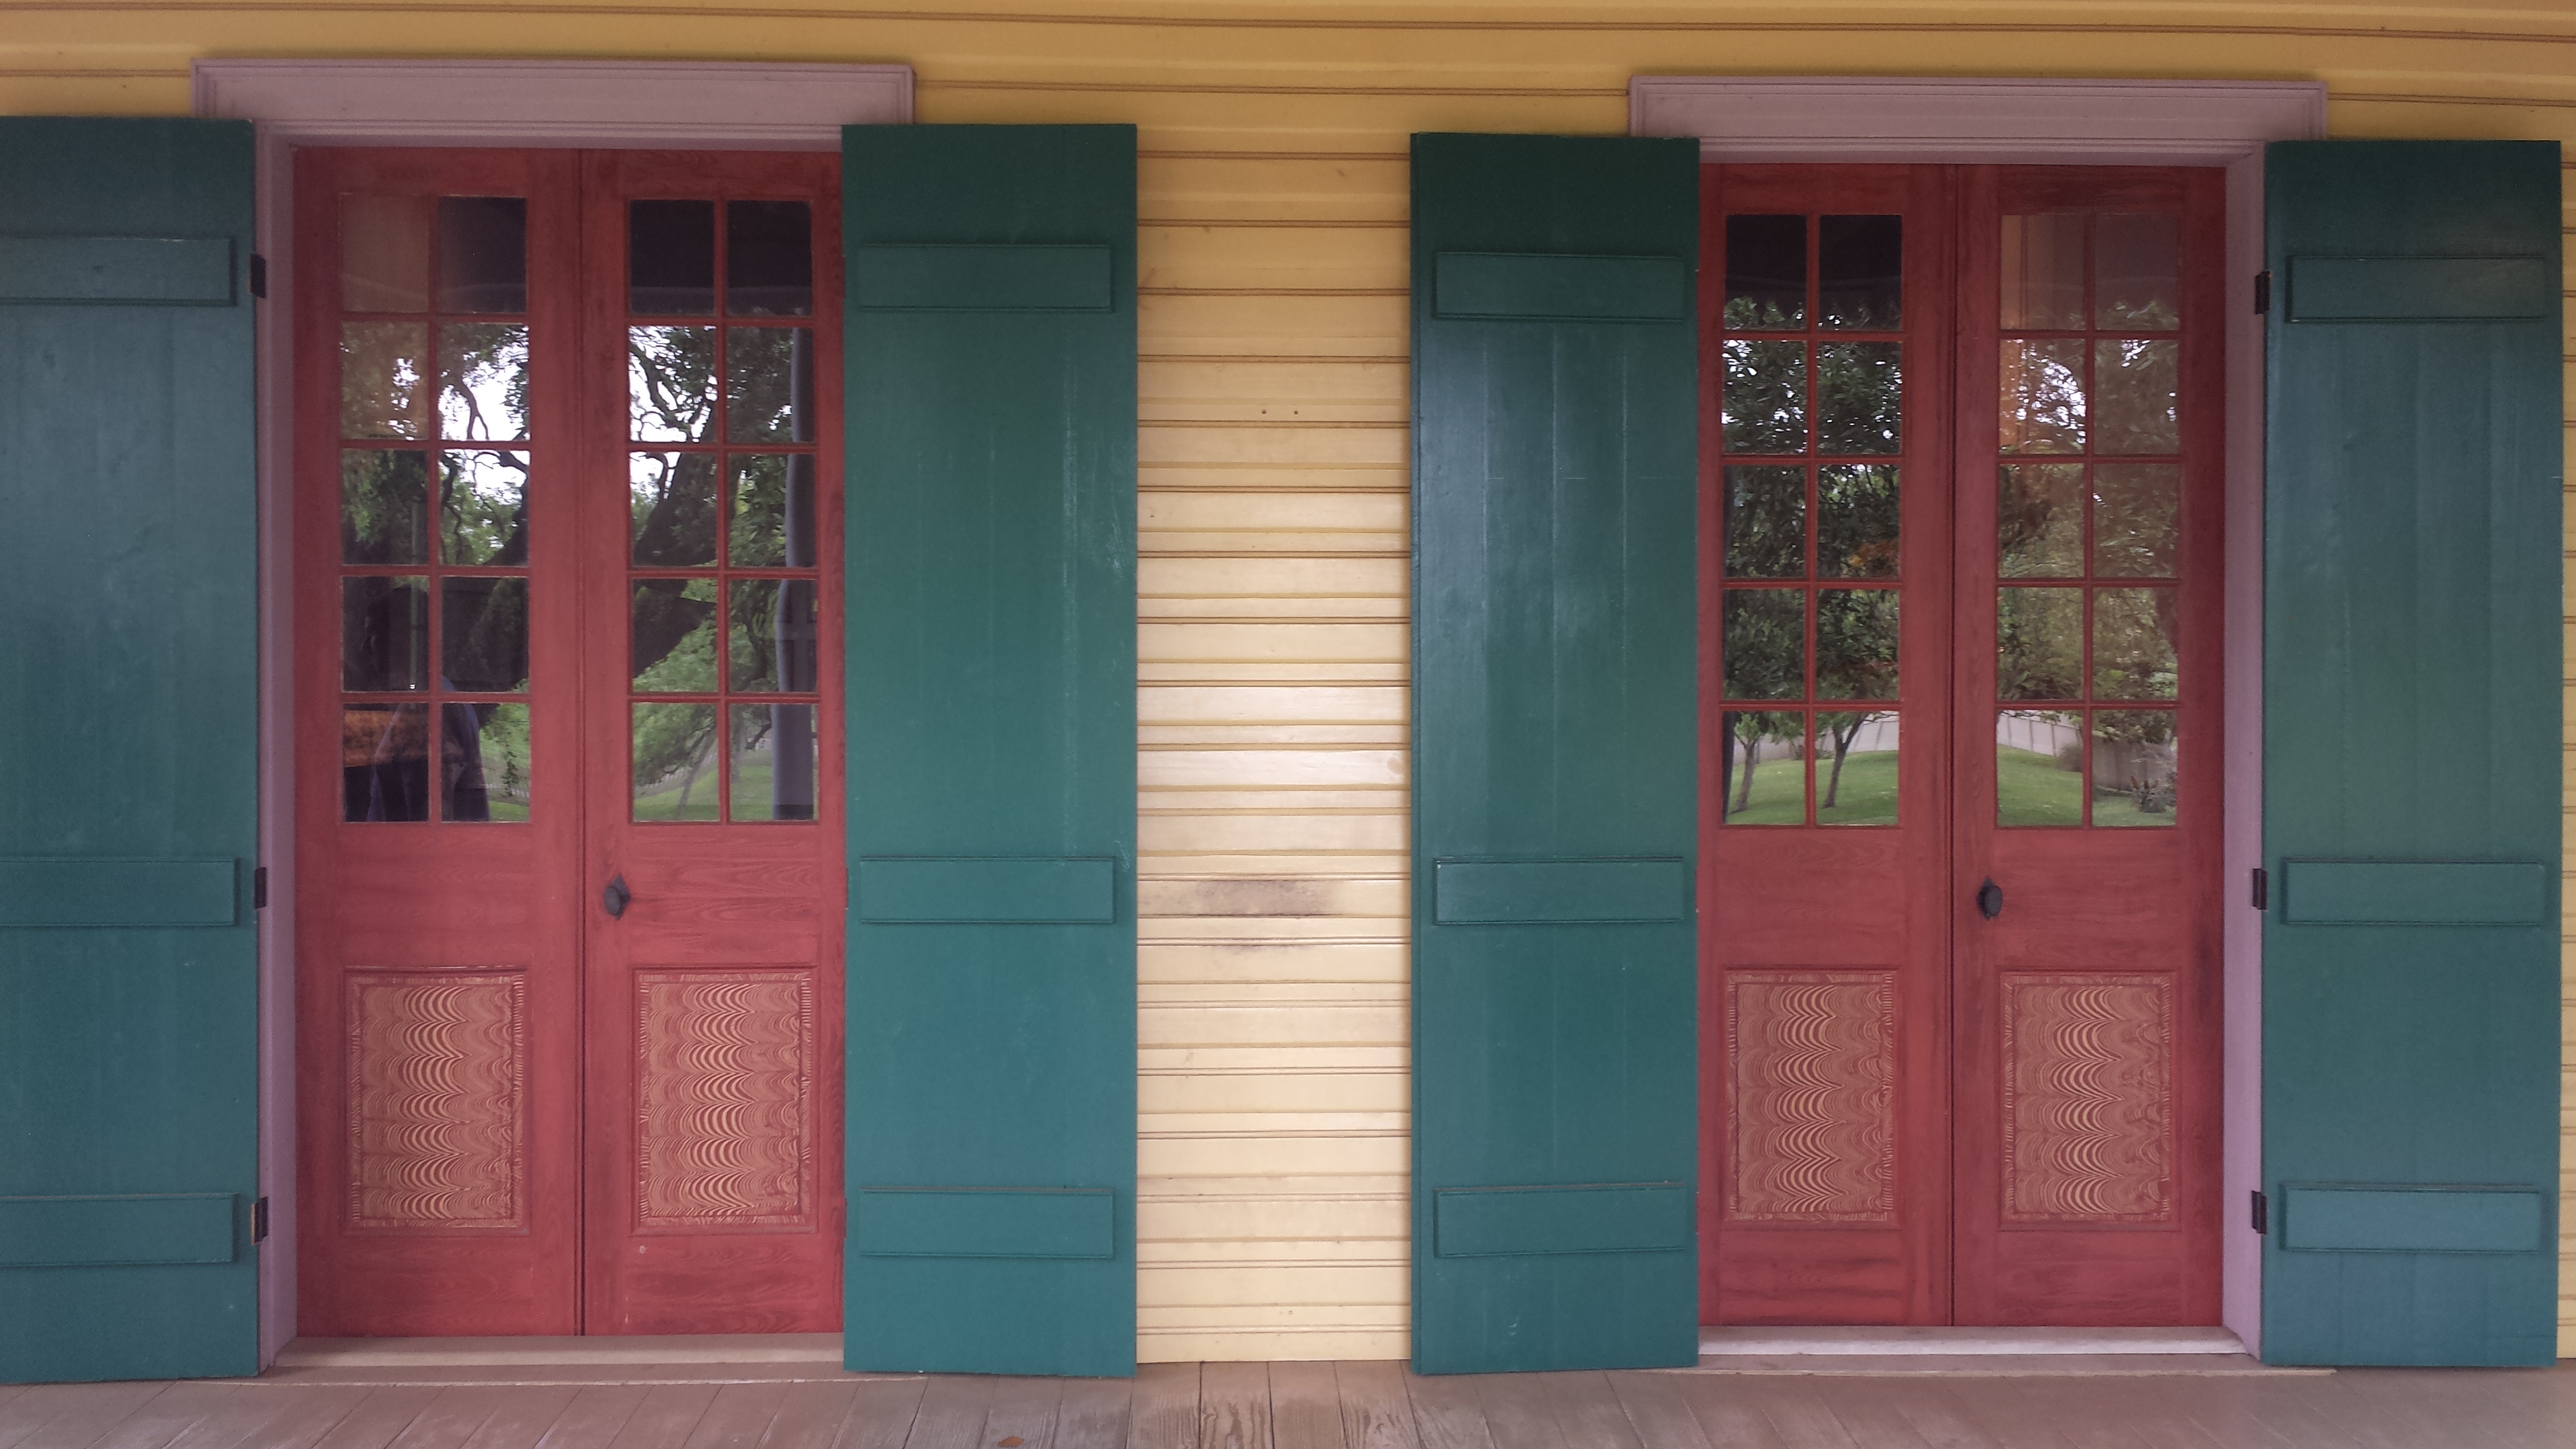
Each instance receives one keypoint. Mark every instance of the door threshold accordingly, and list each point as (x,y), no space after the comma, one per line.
(1739,1341)
(675,1348)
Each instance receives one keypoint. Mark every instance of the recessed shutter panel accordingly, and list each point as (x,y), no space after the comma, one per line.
(2411,753)
(129,553)
(1555,459)
(992,748)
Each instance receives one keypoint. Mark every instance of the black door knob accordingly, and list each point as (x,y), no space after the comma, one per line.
(1990,900)
(613,899)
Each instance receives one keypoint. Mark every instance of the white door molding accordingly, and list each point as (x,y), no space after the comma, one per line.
(690,105)
(2093,123)
(602,105)
(2011,122)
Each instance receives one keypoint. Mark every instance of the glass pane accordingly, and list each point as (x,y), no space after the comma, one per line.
(671,384)
(1860,272)
(483,509)
(384,367)
(384,762)
(774,761)
(482,254)
(2133,643)
(2043,397)
(1856,521)
(484,759)
(675,636)
(1856,643)
(384,252)
(2137,263)
(2039,768)
(2133,386)
(674,745)
(769,261)
(1766,523)
(2137,520)
(671,258)
(766,380)
(2043,272)
(384,507)
(2039,521)
(1766,397)
(2039,643)
(483,635)
(483,381)
(671,498)
(384,633)
(2133,767)
(1766,643)
(1856,769)
(773,512)
(772,646)
(1766,273)
(1860,397)
(1762,768)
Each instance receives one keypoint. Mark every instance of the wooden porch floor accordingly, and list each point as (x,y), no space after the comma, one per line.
(1930,1404)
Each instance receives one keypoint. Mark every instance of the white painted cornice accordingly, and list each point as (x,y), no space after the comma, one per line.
(690,105)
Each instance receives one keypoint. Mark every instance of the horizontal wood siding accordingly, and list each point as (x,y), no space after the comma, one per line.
(1274,395)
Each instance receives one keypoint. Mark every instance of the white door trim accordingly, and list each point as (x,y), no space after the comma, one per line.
(2092,123)
(694,106)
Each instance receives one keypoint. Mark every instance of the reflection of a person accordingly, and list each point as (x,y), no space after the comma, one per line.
(387,777)
(461,762)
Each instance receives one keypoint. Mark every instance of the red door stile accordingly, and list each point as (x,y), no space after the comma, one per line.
(712,1164)
(2088,1008)
(1824,1036)
(437,996)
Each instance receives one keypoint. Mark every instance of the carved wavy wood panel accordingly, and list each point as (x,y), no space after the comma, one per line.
(724,1132)
(437,1073)
(1811,1099)
(2088,1098)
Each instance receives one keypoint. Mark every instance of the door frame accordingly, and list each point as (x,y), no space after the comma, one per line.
(2093,123)
(595,105)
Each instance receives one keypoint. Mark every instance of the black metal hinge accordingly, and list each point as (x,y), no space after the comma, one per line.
(2262,292)
(2262,1213)
(258,275)
(259,1221)
(259,888)
(2262,889)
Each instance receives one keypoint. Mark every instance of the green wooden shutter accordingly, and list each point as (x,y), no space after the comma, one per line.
(1555,993)
(129,1039)
(992,748)
(2411,754)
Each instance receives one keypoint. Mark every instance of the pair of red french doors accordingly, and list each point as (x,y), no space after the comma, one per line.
(1961,593)
(568,796)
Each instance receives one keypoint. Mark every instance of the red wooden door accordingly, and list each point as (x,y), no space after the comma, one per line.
(1825,332)
(2087,763)
(519,1114)
(1915,1113)
(710,644)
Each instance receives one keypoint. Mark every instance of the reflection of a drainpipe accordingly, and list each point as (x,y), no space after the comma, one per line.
(791,726)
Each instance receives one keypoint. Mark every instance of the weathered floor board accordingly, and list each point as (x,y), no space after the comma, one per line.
(1369,1405)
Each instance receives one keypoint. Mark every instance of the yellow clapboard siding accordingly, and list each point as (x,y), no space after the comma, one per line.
(1273,1092)
(1269,444)
(1275,577)
(1195,832)
(1272,188)
(1257,704)
(1164,1283)
(1263,1210)
(1233,1156)
(1253,964)
(1271,896)
(1306,513)
(1148,736)
(1255,642)
(1269,326)
(1182,254)
(1163,769)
